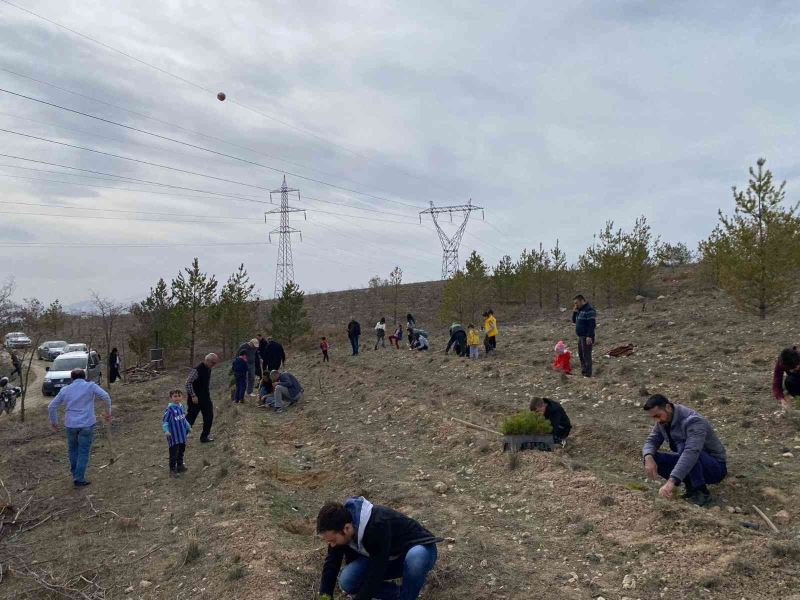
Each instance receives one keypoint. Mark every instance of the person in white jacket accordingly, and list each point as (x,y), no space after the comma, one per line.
(380,332)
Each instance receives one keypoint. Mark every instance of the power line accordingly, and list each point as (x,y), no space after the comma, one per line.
(120,244)
(136,160)
(209,150)
(179,127)
(199,86)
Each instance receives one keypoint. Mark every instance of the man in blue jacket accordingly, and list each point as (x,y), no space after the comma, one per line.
(585,319)
(377,544)
(697,455)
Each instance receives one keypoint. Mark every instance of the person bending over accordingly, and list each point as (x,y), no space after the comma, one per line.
(377,545)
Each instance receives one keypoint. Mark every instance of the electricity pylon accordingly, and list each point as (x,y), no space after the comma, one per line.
(285,271)
(450,244)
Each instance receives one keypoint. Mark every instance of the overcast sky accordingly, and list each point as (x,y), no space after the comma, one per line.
(554,117)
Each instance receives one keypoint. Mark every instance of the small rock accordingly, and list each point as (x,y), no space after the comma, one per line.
(129,589)
(788,455)
(250,487)
(440,487)
(628,582)
(145,584)
(484,563)
(174,529)
(731,509)
(252,464)
(783,516)
(662,297)
(639,298)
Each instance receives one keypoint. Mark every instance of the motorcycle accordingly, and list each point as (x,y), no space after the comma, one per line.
(8,396)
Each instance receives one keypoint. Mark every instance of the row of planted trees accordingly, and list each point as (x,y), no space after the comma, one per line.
(754,255)
(194,308)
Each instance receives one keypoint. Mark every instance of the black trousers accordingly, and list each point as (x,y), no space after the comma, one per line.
(585,354)
(205,406)
(490,343)
(176,456)
(325,356)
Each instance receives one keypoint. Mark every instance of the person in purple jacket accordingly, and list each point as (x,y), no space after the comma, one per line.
(176,428)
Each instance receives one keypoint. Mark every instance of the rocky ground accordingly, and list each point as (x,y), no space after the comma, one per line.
(573,524)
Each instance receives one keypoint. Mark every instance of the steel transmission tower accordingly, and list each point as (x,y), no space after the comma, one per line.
(285,272)
(451,243)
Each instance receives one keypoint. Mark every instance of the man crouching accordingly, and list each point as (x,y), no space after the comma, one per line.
(378,545)
(697,455)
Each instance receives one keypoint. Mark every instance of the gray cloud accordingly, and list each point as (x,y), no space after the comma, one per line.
(553,117)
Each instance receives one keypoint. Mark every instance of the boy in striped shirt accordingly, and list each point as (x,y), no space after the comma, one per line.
(176,427)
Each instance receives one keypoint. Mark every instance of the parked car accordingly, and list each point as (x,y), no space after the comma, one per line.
(76,348)
(49,350)
(17,339)
(58,375)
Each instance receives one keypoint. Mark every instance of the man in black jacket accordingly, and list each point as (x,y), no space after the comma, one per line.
(555,413)
(198,395)
(458,337)
(378,544)
(273,356)
(353,331)
(251,350)
(585,318)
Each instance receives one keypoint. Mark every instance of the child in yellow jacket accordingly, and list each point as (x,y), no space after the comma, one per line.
(473,341)
(490,325)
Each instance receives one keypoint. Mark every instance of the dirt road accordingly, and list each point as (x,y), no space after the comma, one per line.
(34,397)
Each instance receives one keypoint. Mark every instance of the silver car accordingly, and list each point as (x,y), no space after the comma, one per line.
(59,375)
(17,339)
(49,350)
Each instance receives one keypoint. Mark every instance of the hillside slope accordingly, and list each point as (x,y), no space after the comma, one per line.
(569,524)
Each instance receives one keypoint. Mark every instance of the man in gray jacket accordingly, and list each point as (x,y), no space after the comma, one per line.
(286,387)
(697,456)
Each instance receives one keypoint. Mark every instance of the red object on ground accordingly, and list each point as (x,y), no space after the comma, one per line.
(561,362)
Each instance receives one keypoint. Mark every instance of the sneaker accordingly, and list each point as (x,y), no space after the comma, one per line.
(81,483)
(208,440)
(182,468)
(699,498)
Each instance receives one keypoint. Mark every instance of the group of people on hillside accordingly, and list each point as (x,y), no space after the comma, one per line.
(371,546)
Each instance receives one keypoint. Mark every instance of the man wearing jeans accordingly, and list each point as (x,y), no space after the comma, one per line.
(286,388)
(378,545)
(585,319)
(79,419)
(697,455)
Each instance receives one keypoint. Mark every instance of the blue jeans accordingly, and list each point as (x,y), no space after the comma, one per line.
(413,568)
(241,386)
(79,444)
(354,344)
(707,469)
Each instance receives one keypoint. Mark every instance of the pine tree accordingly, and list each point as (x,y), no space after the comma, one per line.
(289,318)
(192,293)
(640,252)
(54,317)
(234,312)
(503,277)
(158,324)
(559,262)
(758,248)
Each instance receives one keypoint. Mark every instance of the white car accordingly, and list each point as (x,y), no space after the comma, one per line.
(59,375)
(76,348)
(17,339)
(49,350)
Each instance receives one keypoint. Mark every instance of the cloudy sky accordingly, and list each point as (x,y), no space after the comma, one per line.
(554,117)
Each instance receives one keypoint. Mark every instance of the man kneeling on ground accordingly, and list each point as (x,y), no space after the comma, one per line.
(555,413)
(697,458)
(286,387)
(378,544)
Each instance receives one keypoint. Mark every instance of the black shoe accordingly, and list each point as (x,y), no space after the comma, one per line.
(207,440)
(699,498)
(182,468)
(81,483)
(173,473)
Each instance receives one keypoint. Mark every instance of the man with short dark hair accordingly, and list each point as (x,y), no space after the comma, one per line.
(274,355)
(286,387)
(585,318)
(555,413)
(198,393)
(353,332)
(79,420)
(697,455)
(377,544)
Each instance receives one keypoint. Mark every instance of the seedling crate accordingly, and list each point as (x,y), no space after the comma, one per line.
(515,443)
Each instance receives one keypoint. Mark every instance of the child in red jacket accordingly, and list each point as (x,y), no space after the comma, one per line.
(561,361)
(324,346)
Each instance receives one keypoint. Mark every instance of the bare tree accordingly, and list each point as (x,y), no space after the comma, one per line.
(395,279)
(7,307)
(108,311)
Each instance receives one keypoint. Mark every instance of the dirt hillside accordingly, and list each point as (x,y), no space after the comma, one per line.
(577,523)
